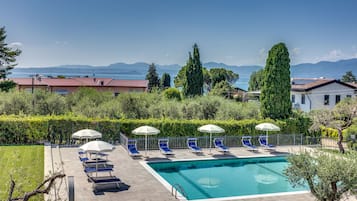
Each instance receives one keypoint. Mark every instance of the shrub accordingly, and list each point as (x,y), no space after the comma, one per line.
(172,93)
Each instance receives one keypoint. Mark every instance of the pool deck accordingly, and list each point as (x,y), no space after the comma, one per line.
(138,183)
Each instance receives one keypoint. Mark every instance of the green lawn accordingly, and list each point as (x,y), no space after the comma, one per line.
(25,164)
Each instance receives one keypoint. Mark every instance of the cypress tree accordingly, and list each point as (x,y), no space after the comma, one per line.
(275,92)
(152,77)
(197,76)
(165,81)
(193,82)
(187,84)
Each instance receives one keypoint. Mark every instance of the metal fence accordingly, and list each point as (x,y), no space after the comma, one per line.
(230,141)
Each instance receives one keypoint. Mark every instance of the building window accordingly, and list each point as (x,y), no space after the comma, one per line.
(327,100)
(293,98)
(116,94)
(349,96)
(302,98)
(62,91)
(338,98)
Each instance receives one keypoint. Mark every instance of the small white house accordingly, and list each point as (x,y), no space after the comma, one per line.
(318,93)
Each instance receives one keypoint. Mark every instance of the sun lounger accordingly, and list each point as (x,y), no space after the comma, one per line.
(98,165)
(82,159)
(164,146)
(246,142)
(132,149)
(90,170)
(104,182)
(218,143)
(263,143)
(96,161)
(95,169)
(192,145)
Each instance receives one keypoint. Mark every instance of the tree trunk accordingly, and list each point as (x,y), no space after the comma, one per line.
(339,143)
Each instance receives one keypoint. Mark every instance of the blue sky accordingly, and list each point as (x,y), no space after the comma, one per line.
(239,32)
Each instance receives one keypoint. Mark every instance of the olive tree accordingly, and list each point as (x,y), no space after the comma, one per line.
(329,176)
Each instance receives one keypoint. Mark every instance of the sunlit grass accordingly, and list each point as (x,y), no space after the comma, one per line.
(26,166)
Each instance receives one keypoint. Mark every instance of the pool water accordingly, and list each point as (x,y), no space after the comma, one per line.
(205,179)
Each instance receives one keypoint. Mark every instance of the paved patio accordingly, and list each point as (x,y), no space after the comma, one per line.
(140,185)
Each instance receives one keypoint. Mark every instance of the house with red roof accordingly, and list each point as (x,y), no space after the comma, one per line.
(67,85)
(319,93)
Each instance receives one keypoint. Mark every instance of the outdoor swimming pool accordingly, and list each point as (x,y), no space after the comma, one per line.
(206,179)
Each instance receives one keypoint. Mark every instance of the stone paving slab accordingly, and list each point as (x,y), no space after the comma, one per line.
(140,185)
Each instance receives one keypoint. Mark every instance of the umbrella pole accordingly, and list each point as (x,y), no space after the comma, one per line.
(96,165)
(146,145)
(210,142)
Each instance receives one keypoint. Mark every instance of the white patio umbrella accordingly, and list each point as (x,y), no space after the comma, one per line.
(146,130)
(210,128)
(96,147)
(86,134)
(267,127)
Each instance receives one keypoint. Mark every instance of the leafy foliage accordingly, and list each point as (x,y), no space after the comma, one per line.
(349,77)
(340,118)
(256,80)
(223,89)
(275,91)
(165,81)
(328,176)
(193,82)
(152,77)
(220,74)
(172,93)
(7,55)
(180,78)
(7,85)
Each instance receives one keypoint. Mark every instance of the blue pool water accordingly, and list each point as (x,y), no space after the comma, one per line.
(205,179)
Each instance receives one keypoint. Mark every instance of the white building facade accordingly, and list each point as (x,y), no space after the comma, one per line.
(313,94)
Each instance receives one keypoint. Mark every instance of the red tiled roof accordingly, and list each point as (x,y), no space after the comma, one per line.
(89,82)
(129,83)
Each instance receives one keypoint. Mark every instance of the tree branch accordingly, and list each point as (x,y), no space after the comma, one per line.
(12,187)
(38,190)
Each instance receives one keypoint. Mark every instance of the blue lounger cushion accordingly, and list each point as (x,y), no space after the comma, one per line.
(263,142)
(218,143)
(246,142)
(94,169)
(132,149)
(164,146)
(192,145)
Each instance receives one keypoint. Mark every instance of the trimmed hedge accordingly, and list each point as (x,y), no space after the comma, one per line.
(58,129)
(55,129)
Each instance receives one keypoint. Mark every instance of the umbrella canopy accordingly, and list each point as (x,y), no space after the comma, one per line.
(146,130)
(86,134)
(210,128)
(97,146)
(267,127)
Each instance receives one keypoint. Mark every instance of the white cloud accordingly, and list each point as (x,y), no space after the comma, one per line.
(15,45)
(263,54)
(296,51)
(62,43)
(335,55)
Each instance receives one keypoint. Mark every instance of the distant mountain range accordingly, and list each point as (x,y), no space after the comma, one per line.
(138,70)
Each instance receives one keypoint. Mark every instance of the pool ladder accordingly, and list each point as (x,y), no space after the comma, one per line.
(177,187)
